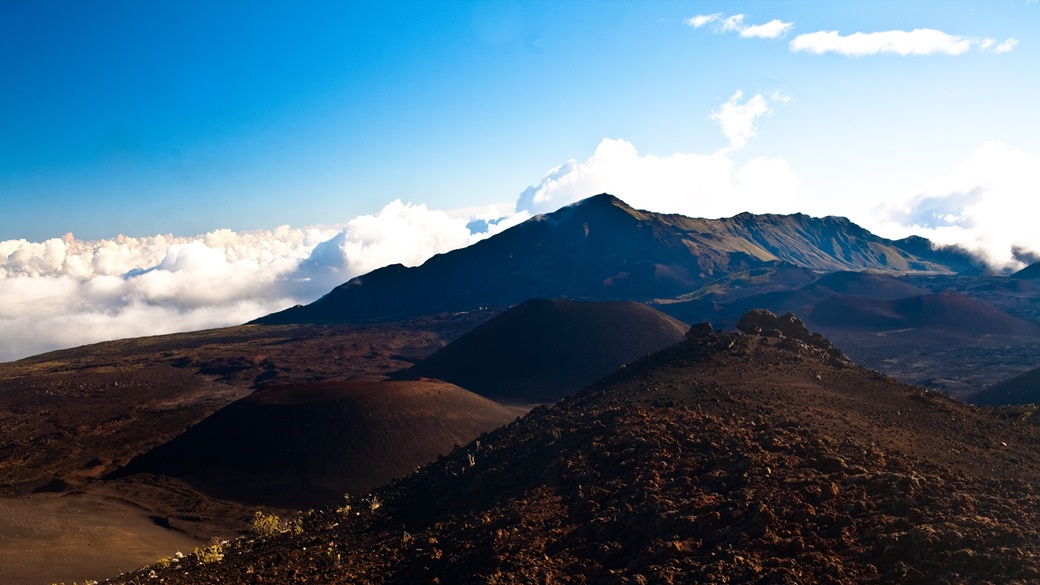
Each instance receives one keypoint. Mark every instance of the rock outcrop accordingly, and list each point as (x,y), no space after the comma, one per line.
(794,335)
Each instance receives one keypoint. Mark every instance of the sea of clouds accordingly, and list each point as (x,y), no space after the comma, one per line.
(65,292)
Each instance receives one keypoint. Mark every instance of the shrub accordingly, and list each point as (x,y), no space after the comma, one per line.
(270,524)
(345,508)
(265,524)
(213,553)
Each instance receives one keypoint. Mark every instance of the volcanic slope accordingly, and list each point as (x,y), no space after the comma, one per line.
(724,459)
(953,333)
(305,445)
(949,313)
(803,298)
(74,415)
(543,350)
(69,418)
(1031,272)
(1021,389)
(602,249)
(869,285)
(846,303)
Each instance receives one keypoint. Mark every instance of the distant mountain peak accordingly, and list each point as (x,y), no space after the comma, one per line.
(593,207)
(603,199)
(1029,272)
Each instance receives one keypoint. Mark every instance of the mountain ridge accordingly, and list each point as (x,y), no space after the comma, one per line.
(601,248)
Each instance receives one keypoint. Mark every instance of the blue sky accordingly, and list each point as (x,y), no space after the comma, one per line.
(218,122)
(149,117)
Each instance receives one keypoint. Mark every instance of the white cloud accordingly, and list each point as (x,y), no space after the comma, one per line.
(703,19)
(771,30)
(702,185)
(400,233)
(920,41)
(733,23)
(712,185)
(1006,46)
(987,204)
(65,292)
(739,121)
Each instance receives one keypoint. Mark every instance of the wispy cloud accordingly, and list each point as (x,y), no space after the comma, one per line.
(738,119)
(920,41)
(1006,46)
(771,30)
(703,19)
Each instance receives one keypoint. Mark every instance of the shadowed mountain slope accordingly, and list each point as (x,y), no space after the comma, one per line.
(703,303)
(944,312)
(305,445)
(602,249)
(1031,272)
(1022,389)
(724,459)
(542,350)
(803,299)
(869,285)
(853,302)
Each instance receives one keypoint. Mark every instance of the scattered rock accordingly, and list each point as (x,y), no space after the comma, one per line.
(700,330)
(794,335)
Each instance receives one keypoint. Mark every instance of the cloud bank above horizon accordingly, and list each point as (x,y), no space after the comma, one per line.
(65,292)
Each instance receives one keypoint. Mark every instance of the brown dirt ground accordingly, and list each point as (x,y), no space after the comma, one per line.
(98,536)
(68,418)
(727,459)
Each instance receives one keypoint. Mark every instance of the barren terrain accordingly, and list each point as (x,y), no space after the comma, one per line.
(69,418)
(759,458)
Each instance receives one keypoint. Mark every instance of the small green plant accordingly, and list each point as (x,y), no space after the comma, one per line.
(214,553)
(374,503)
(164,563)
(333,554)
(345,508)
(265,524)
(270,524)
